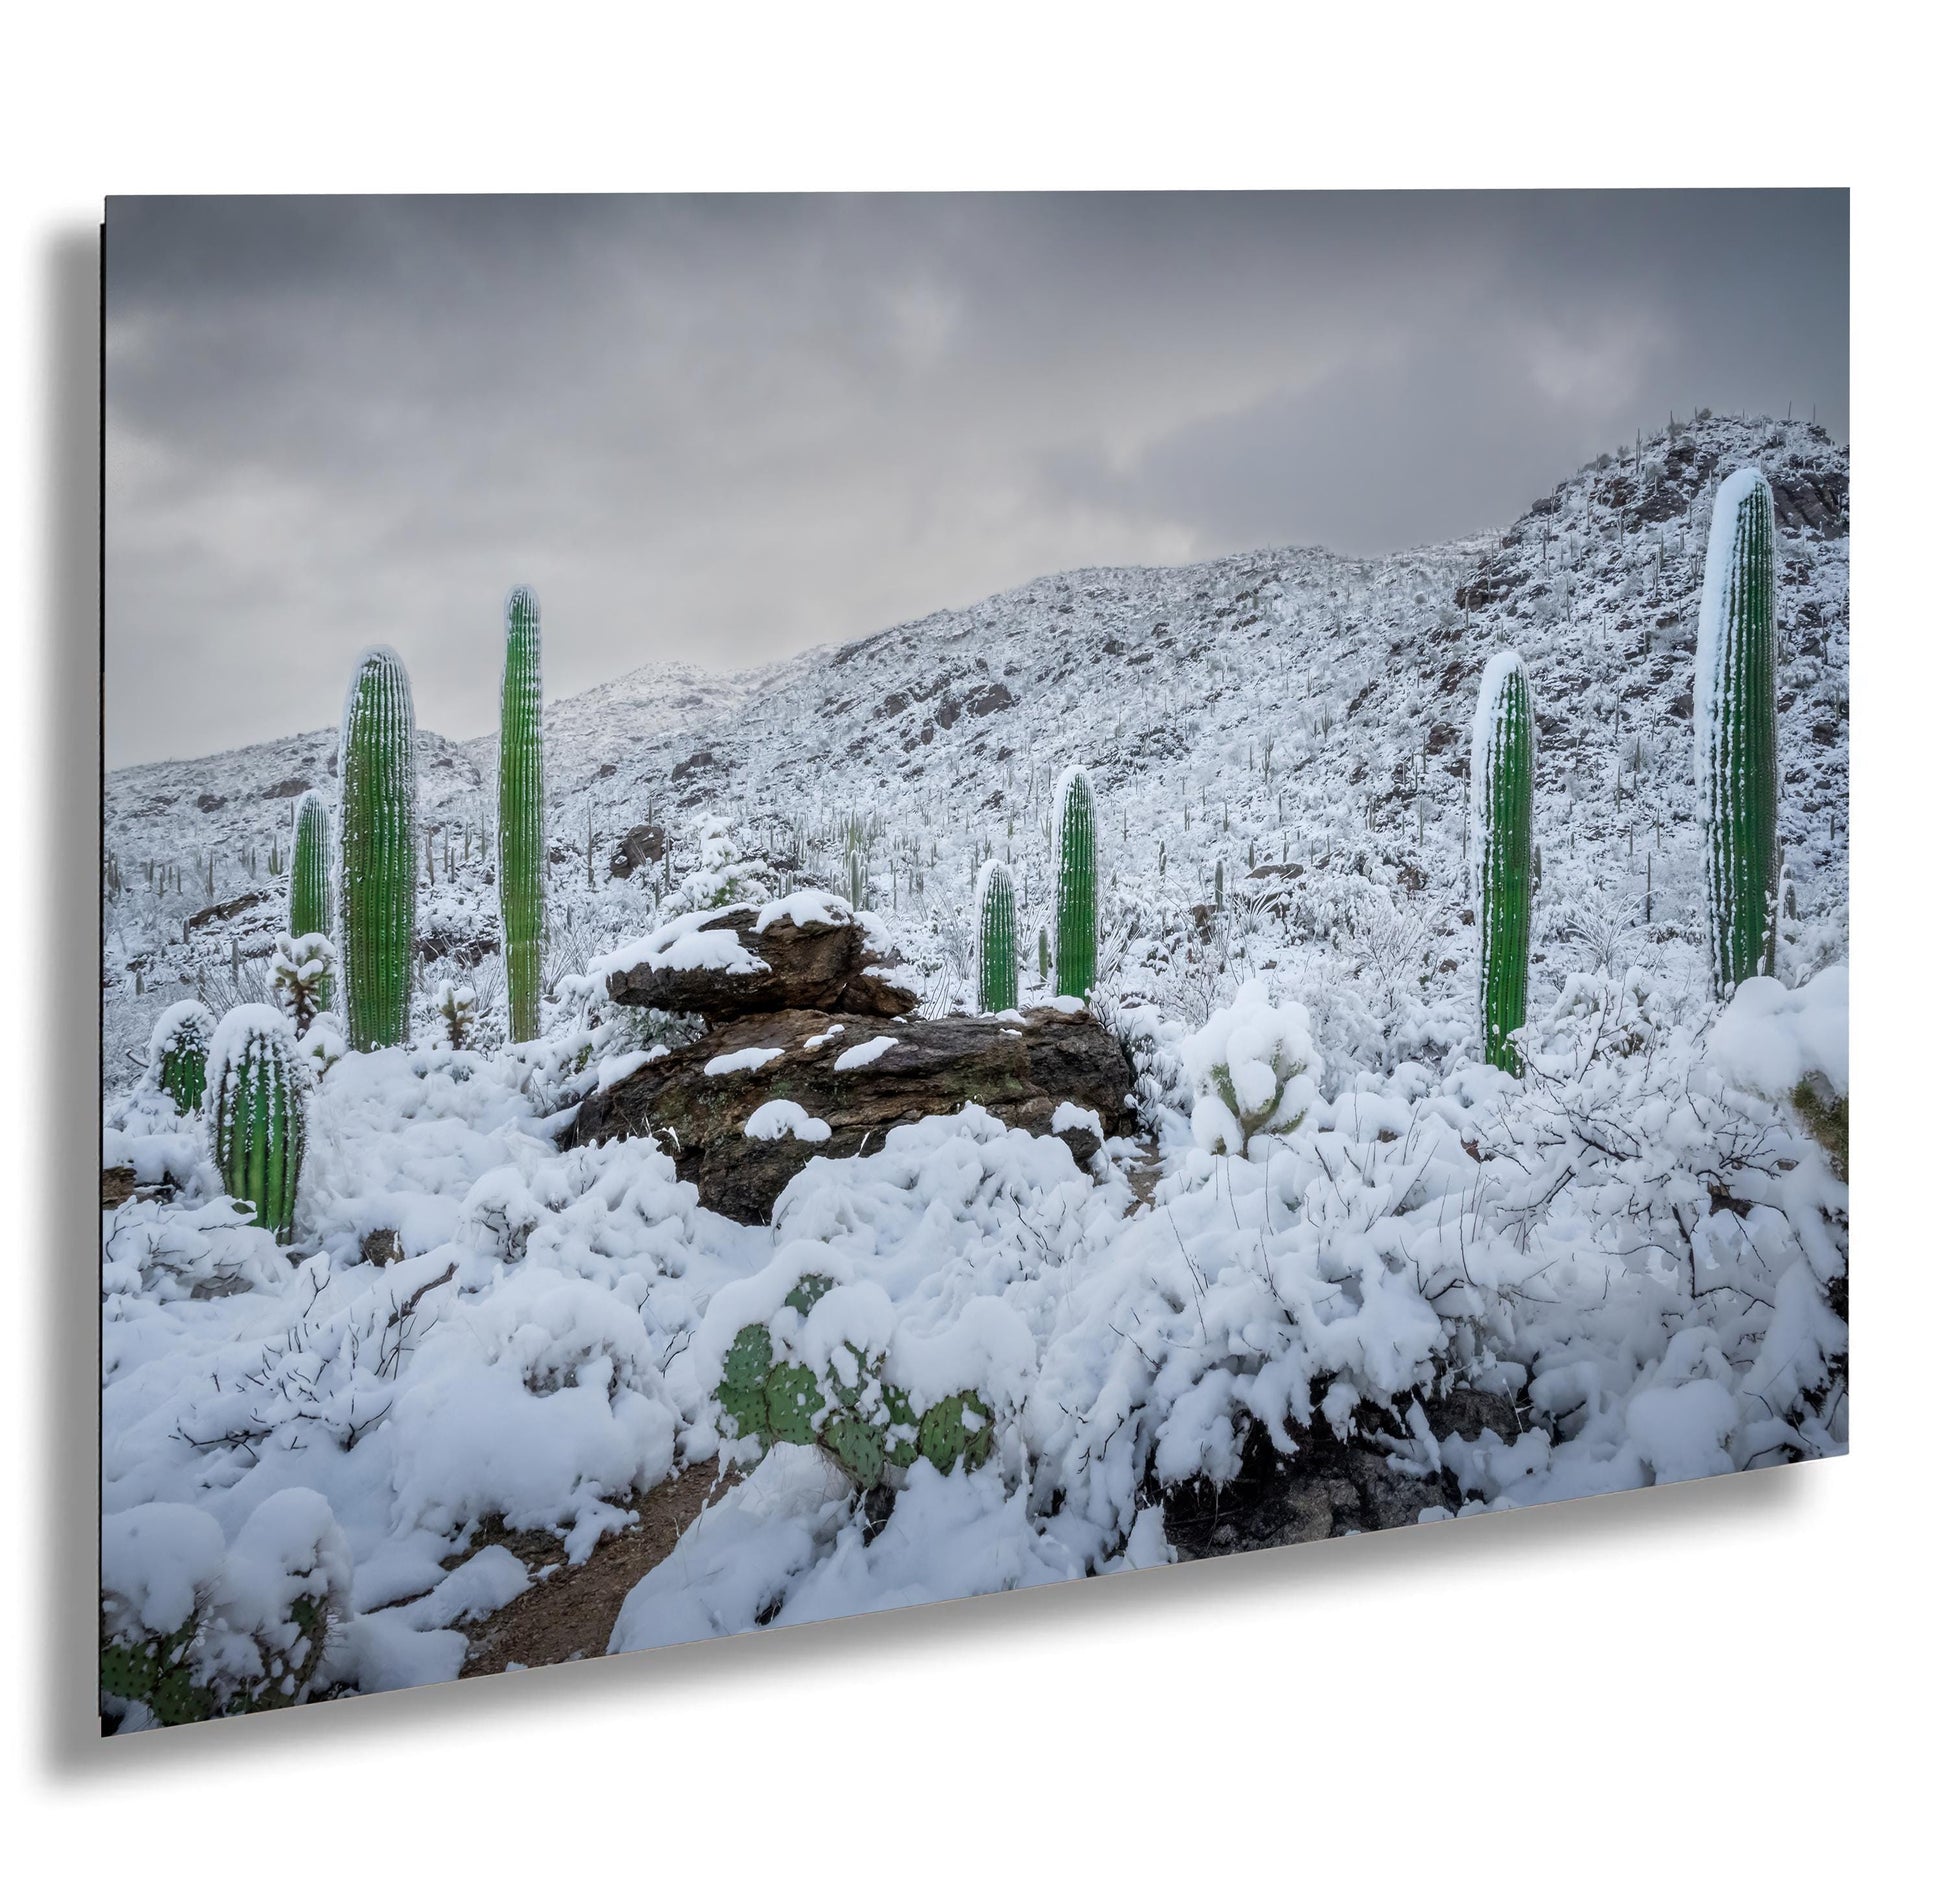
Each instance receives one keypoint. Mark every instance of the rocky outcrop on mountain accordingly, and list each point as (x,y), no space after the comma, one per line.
(809,952)
(748,1105)
(646,843)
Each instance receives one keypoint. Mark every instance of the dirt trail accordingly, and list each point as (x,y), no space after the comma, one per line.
(570,1615)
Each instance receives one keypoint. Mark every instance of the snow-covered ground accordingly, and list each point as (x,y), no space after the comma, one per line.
(1639,1246)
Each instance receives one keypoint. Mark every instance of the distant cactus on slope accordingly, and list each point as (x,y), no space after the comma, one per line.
(999,971)
(1503,821)
(523,839)
(1736,727)
(179,1054)
(1074,893)
(377,871)
(255,1106)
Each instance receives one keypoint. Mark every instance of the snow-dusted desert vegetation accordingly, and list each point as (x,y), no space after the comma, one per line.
(1253,1245)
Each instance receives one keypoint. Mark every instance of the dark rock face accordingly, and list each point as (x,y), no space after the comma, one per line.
(1021,1073)
(1329,1488)
(826,965)
(209,801)
(289,787)
(224,911)
(646,843)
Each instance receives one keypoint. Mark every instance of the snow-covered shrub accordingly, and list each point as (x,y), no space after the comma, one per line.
(1250,1067)
(458,1008)
(194,1629)
(299,977)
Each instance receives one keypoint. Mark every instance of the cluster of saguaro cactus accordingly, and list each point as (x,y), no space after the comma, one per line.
(999,973)
(523,837)
(179,1054)
(254,1102)
(1075,906)
(1736,727)
(377,868)
(1503,872)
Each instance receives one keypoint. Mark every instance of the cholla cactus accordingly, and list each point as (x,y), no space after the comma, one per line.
(300,977)
(458,1009)
(1503,876)
(1074,893)
(1251,1070)
(378,864)
(999,970)
(1736,727)
(523,836)
(254,1104)
(179,1054)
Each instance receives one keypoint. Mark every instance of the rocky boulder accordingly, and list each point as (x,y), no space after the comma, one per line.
(844,1081)
(809,952)
(646,843)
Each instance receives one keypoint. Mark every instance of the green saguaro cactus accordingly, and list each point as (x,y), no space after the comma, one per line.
(255,1107)
(377,864)
(999,955)
(1074,891)
(1736,727)
(1503,824)
(523,859)
(179,1054)
(311,876)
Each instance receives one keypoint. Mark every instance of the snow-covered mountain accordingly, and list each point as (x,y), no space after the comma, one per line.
(1285,707)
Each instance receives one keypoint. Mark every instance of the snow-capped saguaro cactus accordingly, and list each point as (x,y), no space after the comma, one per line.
(179,1054)
(1736,726)
(999,956)
(1074,890)
(1503,869)
(311,877)
(377,864)
(523,858)
(255,1107)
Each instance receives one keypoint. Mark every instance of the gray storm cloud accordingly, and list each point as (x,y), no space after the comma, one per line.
(720,429)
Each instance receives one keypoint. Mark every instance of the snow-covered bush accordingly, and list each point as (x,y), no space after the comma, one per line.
(1250,1067)
(458,1008)
(299,977)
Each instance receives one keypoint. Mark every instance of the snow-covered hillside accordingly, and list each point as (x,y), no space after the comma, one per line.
(1425,1288)
(1285,707)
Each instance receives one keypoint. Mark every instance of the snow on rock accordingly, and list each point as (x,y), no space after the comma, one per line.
(748,1060)
(683,945)
(866,1053)
(783,1117)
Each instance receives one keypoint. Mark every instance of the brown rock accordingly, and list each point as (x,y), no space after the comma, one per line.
(828,966)
(1020,1072)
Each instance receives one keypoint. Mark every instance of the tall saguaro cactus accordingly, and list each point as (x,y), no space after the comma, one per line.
(1074,891)
(1736,726)
(377,864)
(993,897)
(311,876)
(255,1107)
(1503,874)
(523,863)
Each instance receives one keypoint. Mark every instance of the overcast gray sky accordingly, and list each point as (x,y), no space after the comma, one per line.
(723,428)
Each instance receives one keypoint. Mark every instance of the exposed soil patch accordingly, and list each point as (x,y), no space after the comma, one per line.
(570,1615)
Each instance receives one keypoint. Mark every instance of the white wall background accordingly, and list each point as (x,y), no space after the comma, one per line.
(1733,1676)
